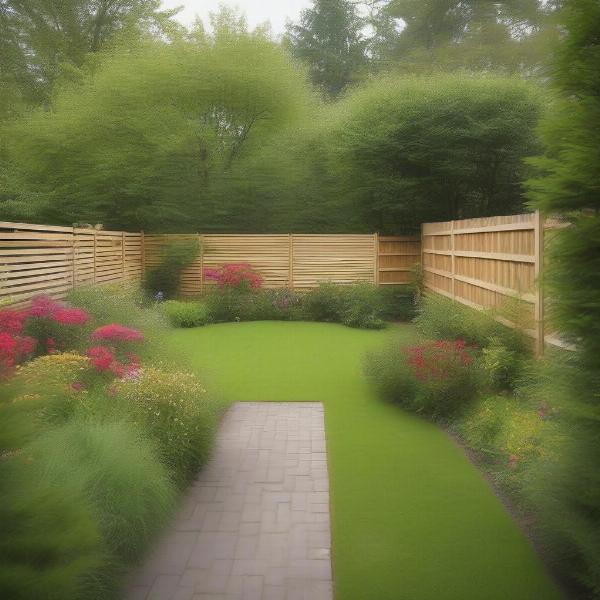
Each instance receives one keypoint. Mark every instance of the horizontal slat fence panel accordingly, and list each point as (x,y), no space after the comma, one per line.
(45,259)
(300,261)
(491,263)
(337,258)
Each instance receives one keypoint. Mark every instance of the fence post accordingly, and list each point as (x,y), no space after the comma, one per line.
(453,259)
(376,258)
(201,242)
(291,261)
(94,276)
(73,256)
(539,294)
(142,254)
(122,255)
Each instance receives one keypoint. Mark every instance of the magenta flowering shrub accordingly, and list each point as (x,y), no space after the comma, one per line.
(55,326)
(117,333)
(14,349)
(237,276)
(48,326)
(114,354)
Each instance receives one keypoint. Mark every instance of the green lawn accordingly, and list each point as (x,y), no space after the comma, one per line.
(412,518)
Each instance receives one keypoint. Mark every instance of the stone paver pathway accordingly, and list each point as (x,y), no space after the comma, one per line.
(255,525)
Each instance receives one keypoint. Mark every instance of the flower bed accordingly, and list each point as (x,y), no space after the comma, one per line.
(98,433)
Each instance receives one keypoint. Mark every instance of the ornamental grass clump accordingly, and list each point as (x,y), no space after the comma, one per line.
(115,469)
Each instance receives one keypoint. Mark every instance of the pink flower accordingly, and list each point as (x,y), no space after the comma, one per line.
(235,275)
(115,332)
(77,386)
(102,358)
(12,321)
(71,316)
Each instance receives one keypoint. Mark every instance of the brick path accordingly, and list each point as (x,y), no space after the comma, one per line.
(256,523)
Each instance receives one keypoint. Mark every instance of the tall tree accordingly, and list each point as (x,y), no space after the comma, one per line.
(329,39)
(42,39)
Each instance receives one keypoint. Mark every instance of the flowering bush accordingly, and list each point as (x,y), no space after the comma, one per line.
(437,378)
(13,350)
(174,407)
(60,369)
(55,326)
(238,276)
(117,333)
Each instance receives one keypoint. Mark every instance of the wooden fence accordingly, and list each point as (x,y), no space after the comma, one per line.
(44,259)
(492,262)
(298,261)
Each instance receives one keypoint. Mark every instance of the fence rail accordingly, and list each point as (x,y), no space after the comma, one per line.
(492,262)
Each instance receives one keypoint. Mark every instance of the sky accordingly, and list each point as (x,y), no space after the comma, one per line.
(257,11)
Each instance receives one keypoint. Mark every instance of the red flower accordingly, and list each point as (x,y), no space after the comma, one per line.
(437,360)
(102,358)
(70,316)
(115,332)
(235,275)
(12,321)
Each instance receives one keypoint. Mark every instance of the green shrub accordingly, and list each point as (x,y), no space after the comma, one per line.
(324,303)
(362,306)
(502,367)
(175,410)
(437,379)
(165,278)
(123,303)
(119,474)
(186,314)
(441,318)
(50,546)
(398,302)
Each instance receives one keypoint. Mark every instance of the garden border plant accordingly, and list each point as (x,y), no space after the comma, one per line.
(100,430)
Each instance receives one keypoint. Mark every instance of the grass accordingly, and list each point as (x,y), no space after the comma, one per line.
(412,518)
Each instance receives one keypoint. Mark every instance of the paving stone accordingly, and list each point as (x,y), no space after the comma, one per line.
(255,524)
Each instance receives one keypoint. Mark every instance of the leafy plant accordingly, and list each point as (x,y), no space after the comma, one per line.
(438,379)
(186,314)
(442,318)
(363,306)
(165,278)
(324,303)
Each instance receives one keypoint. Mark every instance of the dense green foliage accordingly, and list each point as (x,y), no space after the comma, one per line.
(175,118)
(165,278)
(411,516)
(117,472)
(185,314)
(478,35)
(43,41)
(568,183)
(441,318)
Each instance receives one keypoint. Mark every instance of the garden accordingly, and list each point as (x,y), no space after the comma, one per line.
(302,309)
(122,372)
